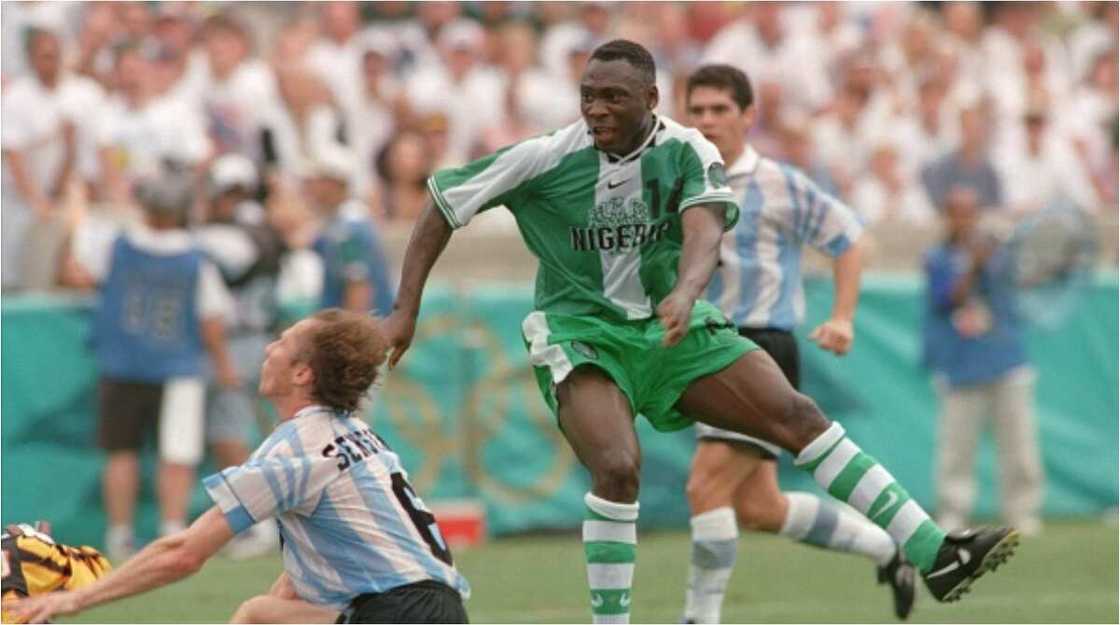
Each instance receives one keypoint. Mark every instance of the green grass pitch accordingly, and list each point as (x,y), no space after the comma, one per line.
(1068,574)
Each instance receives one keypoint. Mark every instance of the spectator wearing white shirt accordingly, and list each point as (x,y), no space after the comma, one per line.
(1041,167)
(143,133)
(1090,122)
(888,193)
(930,131)
(303,123)
(234,88)
(762,46)
(374,119)
(336,55)
(39,143)
(469,92)
(592,18)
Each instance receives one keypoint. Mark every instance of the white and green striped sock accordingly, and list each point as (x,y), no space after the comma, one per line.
(610,540)
(850,475)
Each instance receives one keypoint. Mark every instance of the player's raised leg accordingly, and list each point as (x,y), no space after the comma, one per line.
(596,419)
(761,506)
(753,396)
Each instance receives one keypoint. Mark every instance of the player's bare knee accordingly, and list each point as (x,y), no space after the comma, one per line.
(248,611)
(757,516)
(615,477)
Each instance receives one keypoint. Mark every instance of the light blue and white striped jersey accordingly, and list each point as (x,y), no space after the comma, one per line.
(758,282)
(349,520)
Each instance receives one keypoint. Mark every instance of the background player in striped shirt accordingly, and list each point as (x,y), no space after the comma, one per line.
(734,477)
(625,211)
(356,538)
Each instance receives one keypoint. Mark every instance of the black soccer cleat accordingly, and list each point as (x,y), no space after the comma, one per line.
(900,575)
(965,556)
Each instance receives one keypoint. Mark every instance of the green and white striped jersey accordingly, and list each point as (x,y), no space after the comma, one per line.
(606,229)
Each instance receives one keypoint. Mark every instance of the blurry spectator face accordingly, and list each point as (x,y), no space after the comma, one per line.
(1034,59)
(408,160)
(135,18)
(374,67)
(435,15)
(174,32)
(1102,75)
(616,102)
(519,47)
(225,48)
(45,55)
(714,112)
(961,212)
(595,17)
(339,20)
(931,95)
(962,19)
(884,161)
(768,21)
(325,193)
(132,72)
(434,127)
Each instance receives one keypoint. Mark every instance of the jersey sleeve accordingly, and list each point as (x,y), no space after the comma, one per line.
(463,192)
(267,486)
(821,220)
(705,180)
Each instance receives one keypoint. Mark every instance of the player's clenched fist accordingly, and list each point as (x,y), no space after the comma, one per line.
(674,312)
(834,335)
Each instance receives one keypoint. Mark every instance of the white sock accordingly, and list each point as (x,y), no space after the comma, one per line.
(118,535)
(816,521)
(610,542)
(715,542)
(172,526)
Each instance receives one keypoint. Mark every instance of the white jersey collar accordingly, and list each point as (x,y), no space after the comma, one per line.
(746,164)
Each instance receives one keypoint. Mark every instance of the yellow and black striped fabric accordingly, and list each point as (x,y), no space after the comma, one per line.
(34,564)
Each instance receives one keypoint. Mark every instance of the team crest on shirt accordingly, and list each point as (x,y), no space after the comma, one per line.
(617,225)
(717,175)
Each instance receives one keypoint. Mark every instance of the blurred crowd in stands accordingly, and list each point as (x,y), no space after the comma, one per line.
(887,105)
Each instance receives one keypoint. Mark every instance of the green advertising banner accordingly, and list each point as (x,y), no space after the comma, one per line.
(465,414)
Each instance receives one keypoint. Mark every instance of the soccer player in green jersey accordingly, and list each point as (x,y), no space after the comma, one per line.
(625,210)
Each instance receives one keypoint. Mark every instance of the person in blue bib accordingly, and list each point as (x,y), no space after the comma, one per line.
(160,312)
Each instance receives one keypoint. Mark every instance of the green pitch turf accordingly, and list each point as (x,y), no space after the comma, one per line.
(1069,574)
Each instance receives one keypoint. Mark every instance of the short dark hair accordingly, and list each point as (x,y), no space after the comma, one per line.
(635,54)
(720,76)
(344,350)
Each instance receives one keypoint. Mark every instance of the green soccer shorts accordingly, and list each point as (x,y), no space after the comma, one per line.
(651,376)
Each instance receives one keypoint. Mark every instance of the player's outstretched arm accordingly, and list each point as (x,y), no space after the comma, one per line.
(166,560)
(703,230)
(837,333)
(429,238)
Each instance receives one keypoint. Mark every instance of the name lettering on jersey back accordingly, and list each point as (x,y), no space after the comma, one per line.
(617,225)
(354,447)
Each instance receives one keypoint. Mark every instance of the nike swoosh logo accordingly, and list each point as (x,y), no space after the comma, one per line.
(596,600)
(949,568)
(892,498)
(624,600)
(614,184)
